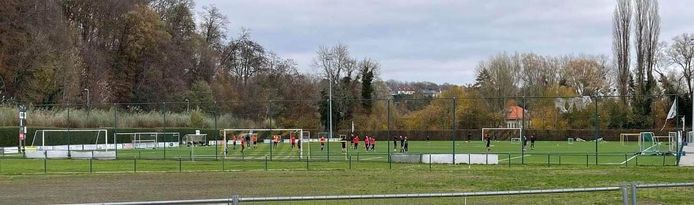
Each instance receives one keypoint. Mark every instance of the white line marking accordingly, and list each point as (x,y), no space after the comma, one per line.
(527,155)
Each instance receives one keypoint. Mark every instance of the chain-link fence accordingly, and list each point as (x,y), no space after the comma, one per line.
(403,130)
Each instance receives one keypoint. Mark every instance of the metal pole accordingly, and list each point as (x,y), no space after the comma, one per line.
(633,194)
(596,129)
(115,128)
(330,111)
(68,132)
(625,195)
(522,139)
(455,127)
(216,132)
(389,134)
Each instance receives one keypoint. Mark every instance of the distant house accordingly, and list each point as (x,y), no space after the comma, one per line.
(403,90)
(431,93)
(515,116)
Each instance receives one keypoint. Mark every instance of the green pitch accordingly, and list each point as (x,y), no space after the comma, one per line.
(284,157)
(557,152)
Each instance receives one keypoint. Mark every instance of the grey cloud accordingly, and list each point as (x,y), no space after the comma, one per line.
(439,41)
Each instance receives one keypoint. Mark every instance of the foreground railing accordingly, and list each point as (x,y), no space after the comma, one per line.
(234,200)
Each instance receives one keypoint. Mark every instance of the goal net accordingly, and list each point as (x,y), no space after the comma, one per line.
(279,140)
(149,140)
(72,143)
(503,134)
(630,137)
(652,144)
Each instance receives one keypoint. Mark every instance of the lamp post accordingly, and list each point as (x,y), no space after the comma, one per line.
(87,90)
(187,105)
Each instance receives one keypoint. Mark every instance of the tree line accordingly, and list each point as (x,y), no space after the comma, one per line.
(151,51)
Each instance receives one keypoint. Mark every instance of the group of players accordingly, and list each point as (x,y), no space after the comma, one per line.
(488,141)
(251,141)
(245,141)
(369,143)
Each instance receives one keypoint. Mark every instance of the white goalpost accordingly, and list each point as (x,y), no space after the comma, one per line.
(651,144)
(304,137)
(511,134)
(72,143)
(624,137)
(151,140)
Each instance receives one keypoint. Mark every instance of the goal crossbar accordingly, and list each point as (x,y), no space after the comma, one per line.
(484,130)
(43,135)
(625,137)
(135,136)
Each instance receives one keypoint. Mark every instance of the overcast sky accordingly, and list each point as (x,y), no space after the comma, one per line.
(437,41)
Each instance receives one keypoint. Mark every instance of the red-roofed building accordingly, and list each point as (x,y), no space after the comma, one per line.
(515,115)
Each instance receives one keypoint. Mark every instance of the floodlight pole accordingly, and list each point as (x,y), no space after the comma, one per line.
(597,126)
(522,139)
(330,110)
(455,127)
(387,140)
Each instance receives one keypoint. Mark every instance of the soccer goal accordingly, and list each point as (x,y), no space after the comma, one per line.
(276,136)
(630,137)
(504,134)
(149,140)
(72,143)
(652,144)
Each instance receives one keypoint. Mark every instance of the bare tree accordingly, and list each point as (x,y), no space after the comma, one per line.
(647,30)
(213,26)
(620,44)
(681,53)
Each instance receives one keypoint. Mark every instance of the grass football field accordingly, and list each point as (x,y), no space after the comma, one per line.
(203,172)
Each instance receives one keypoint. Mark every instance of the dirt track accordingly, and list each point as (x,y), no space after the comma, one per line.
(132,187)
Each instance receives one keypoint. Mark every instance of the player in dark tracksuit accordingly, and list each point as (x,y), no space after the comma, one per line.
(395,143)
(532,142)
(487,141)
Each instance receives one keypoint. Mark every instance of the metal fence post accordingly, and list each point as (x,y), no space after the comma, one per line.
(180,165)
(548,158)
(633,194)
(135,165)
(430,162)
(350,161)
(90,163)
(265,162)
(625,195)
(307,163)
(223,159)
(509,159)
(390,162)
(45,162)
(626,161)
(586,160)
(235,200)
